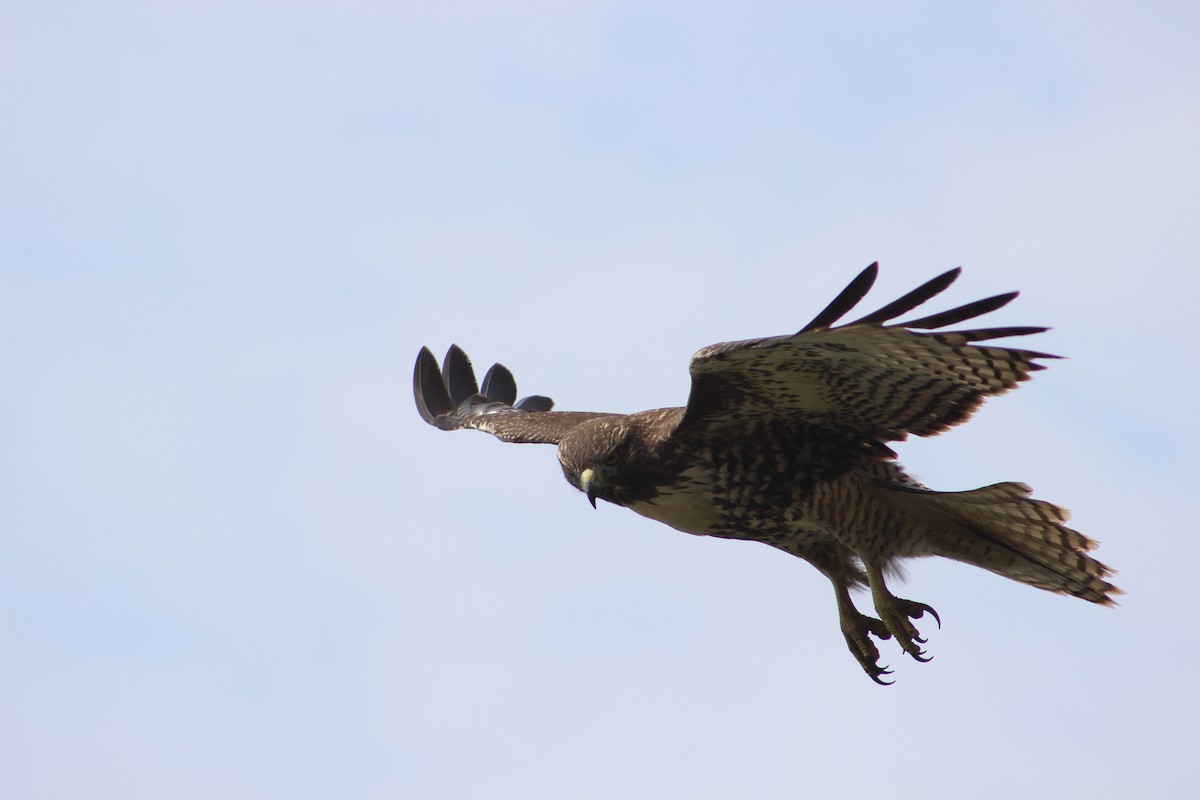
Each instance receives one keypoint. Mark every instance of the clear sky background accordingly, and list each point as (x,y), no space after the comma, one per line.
(235,563)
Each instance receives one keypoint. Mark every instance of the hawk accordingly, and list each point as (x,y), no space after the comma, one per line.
(784,440)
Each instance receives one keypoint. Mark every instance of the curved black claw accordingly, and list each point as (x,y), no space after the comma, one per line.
(875,677)
(922,608)
(858,629)
(896,613)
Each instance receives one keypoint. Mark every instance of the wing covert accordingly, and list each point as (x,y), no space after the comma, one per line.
(866,378)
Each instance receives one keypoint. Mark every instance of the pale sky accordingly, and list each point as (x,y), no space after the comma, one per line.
(235,563)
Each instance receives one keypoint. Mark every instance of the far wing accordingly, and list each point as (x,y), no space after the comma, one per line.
(450,399)
(865,378)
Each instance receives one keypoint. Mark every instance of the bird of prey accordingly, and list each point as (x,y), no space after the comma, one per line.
(784,440)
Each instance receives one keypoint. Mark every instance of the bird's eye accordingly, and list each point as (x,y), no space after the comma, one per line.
(611,458)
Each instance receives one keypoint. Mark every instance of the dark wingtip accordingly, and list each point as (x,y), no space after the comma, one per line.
(535,402)
(962,313)
(848,298)
(911,300)
(429,391)
(458,375)
(983,334)
(499,385)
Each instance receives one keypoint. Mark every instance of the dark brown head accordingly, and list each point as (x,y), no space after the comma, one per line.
(620,458)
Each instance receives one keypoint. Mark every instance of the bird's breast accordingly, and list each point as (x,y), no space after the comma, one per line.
(732,501)
(686,504)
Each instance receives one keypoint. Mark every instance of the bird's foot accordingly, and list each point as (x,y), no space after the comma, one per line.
(896,614)
(858,629)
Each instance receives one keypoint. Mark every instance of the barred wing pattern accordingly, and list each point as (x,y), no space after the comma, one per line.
(864,378)
(451,399)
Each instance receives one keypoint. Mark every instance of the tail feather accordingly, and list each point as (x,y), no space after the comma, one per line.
(1002,529)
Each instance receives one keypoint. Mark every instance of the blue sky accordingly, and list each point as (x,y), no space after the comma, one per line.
(233,560)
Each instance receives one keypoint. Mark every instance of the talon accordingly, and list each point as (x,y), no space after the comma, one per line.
(921,608)
(897,615)
(858,630)
(874,674)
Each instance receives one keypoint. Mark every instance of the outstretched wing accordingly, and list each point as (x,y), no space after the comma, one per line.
(450,399)
(865,378)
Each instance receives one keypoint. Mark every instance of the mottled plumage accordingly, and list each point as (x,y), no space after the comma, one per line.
(784,441)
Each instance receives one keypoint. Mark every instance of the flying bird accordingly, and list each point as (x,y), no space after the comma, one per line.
(784,440)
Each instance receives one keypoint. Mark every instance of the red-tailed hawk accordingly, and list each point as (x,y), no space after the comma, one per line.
(784,441)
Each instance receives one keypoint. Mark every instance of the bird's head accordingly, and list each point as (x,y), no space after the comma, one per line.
(603,459)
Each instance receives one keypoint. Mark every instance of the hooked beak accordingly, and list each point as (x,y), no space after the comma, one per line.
(587,482)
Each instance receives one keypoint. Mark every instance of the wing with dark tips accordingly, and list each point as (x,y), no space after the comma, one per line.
(911,300)
(458,375)
(429,389)
(499,384)
(847,299)
(963,313)
(535,403)
(450,399)
(867,379)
